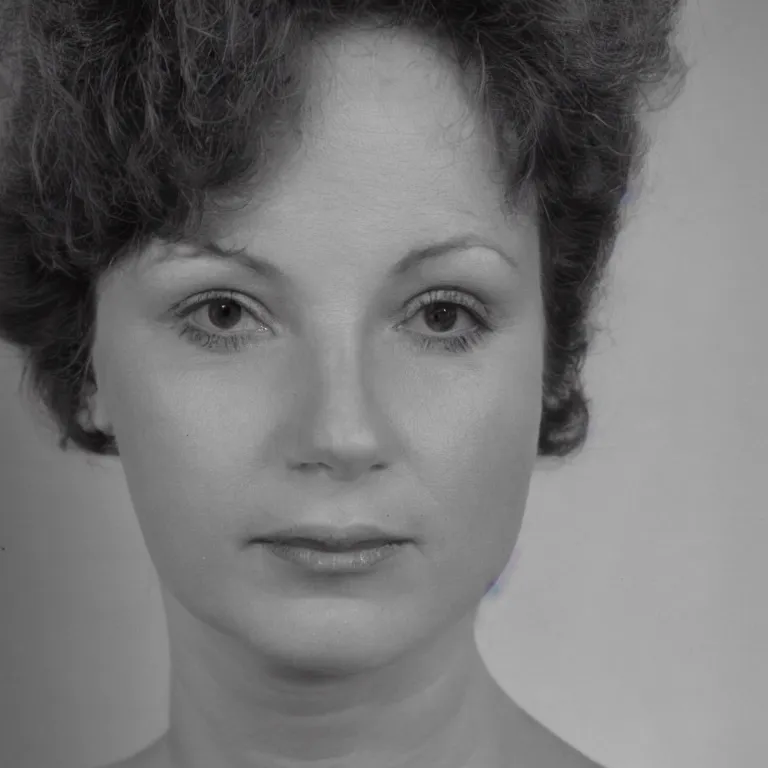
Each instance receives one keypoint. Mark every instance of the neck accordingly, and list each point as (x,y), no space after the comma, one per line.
(435,709)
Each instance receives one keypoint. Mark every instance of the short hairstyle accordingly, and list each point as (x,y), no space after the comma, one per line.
(127,120)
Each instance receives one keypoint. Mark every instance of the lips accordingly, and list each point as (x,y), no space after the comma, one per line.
(327,539)
(326,546)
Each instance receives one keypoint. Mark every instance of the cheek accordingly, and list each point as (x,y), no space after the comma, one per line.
(479,446)
(179,457)
(477,461)
(483,458)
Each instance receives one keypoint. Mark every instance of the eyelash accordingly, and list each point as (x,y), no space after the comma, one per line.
(464,342)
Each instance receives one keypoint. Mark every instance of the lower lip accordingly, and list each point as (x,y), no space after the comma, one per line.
(322,561)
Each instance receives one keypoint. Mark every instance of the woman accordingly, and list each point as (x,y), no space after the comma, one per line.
(320,274)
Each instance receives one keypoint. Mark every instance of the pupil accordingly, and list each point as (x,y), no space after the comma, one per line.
(443,312)
(230,317)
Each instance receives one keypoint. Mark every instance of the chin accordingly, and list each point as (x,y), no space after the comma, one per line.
(330,636)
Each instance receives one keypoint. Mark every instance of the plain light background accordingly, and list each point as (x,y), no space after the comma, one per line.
(632,620)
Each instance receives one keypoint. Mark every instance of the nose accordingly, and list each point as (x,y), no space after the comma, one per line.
(341,419)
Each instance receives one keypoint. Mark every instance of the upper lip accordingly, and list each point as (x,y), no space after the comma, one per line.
(332,538)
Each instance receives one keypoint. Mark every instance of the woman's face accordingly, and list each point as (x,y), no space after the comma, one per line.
(332,396)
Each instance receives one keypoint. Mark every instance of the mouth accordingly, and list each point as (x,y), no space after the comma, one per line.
(326,539)
(324,545)
(320,556)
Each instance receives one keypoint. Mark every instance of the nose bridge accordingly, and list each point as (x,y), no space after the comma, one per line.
(343,425)
(342,371)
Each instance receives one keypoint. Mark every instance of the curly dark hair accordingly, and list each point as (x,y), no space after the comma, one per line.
(128,118)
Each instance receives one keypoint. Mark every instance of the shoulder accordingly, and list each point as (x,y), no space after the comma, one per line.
(152,756)
(556,753)
(535,746)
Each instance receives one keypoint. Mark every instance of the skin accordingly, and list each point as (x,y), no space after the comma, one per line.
(332,413)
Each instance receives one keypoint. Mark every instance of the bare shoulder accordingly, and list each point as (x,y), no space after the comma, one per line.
(556,753)
(152,756)
(535,746)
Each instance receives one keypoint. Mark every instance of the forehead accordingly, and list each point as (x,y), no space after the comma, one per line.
(385,67)
(387,123)
(390,155)
(388,95)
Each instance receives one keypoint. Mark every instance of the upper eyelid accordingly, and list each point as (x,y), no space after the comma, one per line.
(449,296)
(187,306)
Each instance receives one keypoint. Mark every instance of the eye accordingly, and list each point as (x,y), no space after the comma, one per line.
(441,307)
(438,308)
(442,316)
(222,312)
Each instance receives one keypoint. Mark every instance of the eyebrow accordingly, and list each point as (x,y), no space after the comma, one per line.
(415,256)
